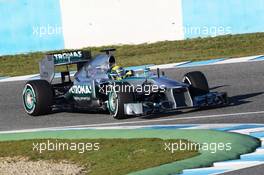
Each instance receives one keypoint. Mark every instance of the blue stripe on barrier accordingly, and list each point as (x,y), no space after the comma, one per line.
(171,127)
(257,134)
(240,127)
(204,171)
(258,58)
(200,63)
(257,157)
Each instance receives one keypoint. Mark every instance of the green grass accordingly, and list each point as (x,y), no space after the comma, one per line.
(115,156)
(157,53)
(241,144)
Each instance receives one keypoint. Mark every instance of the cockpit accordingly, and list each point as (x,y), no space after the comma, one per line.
(97,69)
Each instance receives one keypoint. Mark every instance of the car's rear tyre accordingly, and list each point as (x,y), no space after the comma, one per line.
(37,97)
(198,82)
(117,101)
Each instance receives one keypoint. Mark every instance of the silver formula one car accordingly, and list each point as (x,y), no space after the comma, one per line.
(100,85)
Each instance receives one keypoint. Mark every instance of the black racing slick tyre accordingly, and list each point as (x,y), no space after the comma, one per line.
(117,101)
(37,97)
(198,83)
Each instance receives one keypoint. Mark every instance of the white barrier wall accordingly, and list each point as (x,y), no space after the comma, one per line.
(106,22)
(41,25)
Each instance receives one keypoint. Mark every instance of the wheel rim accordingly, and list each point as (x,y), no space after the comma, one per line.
(187,80)
(113,102)
(29,99)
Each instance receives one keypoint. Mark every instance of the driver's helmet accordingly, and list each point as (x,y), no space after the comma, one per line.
(118,73)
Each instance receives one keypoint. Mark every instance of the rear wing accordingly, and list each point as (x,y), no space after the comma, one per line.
(49,62)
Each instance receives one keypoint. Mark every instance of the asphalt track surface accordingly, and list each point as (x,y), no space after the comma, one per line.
(256,170)
(244,83)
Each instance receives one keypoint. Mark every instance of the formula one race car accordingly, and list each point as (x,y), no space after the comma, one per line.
(100,85)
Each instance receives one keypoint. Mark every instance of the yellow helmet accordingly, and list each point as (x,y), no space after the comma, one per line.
(118,73)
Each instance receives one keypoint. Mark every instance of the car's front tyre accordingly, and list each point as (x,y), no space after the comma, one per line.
(37,97)
(117,100)
(198,83)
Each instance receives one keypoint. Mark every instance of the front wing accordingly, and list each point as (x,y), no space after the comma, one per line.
(211,99)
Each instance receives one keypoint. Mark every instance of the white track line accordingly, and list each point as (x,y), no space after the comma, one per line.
(19,78)
(168,66)
(136,122)
(237,165)
(237,60)
(173,119)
